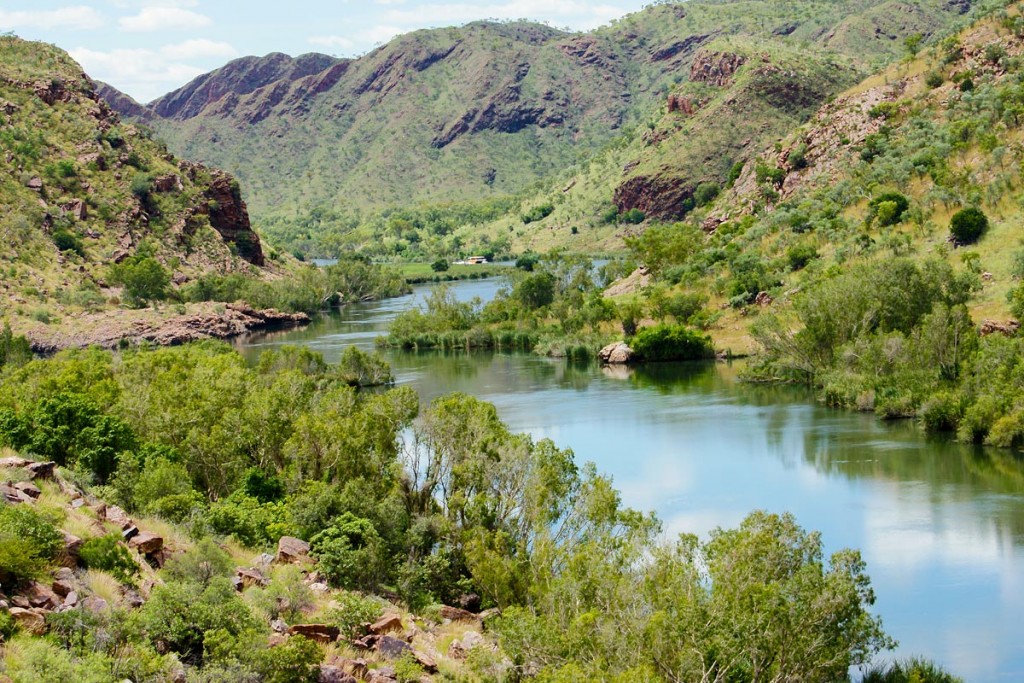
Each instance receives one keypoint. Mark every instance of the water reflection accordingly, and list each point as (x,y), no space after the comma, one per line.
(941,525)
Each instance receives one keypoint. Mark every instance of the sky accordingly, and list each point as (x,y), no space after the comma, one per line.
(147,48)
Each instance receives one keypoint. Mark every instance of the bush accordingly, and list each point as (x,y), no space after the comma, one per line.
(538,213)
(292,662)
(671,342)
(440,265)
(66,241)
(109,554)
(769,174)
(144,279)
(705,193)
(968,225)
(934,79)
(351,612)
(351,554)
(799,255)
(634,216)
(888,208)
(29,541)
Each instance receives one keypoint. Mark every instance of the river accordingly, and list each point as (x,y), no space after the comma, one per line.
(940,525)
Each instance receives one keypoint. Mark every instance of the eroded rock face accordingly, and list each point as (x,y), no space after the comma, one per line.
(716,68)
(230,217)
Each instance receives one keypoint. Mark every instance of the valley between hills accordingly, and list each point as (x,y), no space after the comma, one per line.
(210,472)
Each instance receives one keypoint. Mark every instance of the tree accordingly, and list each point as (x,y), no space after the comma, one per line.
(144,280)
(535,291)
(440,265)
(968,225)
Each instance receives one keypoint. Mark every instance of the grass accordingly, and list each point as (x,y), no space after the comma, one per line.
(422,272)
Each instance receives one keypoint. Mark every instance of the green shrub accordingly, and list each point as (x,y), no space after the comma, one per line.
(144,279)
(67,241)
(942,412)
(913,670)
(295,661)
(29,542)
(351,554)
(634,216)
(968,225)
(351,611)
(706,193)
(108,553)
(934,79)
(798,156)
(538,213)
(440,265)
(799,255)
(671,342)
(769,174)
(888,208)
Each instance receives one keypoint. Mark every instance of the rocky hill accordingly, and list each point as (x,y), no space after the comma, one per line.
(486,110)
(82,191)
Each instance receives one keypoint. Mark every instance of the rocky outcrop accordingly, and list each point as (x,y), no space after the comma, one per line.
(123,104)
(291,550)
(112,329)
(618,353)
(662,197)
(716,68)
(227,212)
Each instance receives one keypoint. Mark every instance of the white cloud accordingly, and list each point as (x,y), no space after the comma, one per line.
(145,74)
(333,41)
(77,17)
(197,48)
(381,33)
(164,19)
(574,13)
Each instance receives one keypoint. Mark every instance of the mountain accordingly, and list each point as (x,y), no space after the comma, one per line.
(82,191)
(488,110)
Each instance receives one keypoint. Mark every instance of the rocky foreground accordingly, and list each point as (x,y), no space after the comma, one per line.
(164,327)
(444,640)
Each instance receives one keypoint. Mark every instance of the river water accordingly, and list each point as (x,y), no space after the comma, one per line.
(940,525)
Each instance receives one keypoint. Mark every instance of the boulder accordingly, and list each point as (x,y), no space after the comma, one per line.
(32,620)
(42,596)
(146,543)
(329,673)
(72,545)
(113,513)
(390,647)
(321,633)
(71,600)
(76,209)
(95,604)
(279,626)
(35,183)
(426,661)
(386,624)
(385,674)
(12,495)
(292,550)
(248,578)
(456,614)
(470,602)
(29,489)
(618,353)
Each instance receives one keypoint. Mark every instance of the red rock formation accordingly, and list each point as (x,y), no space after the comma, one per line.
(716,68)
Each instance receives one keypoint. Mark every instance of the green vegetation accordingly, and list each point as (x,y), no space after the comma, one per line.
(968,225)
(671,342)
(552,305)
(289,448)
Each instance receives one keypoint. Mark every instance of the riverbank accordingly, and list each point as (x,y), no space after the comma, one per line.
(165,326)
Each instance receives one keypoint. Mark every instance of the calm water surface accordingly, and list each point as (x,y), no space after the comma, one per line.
(940,525)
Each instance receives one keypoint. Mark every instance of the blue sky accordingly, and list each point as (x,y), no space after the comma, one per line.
(149,47)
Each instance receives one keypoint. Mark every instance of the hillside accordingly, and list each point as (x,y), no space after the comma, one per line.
(81,191)
(438,116)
